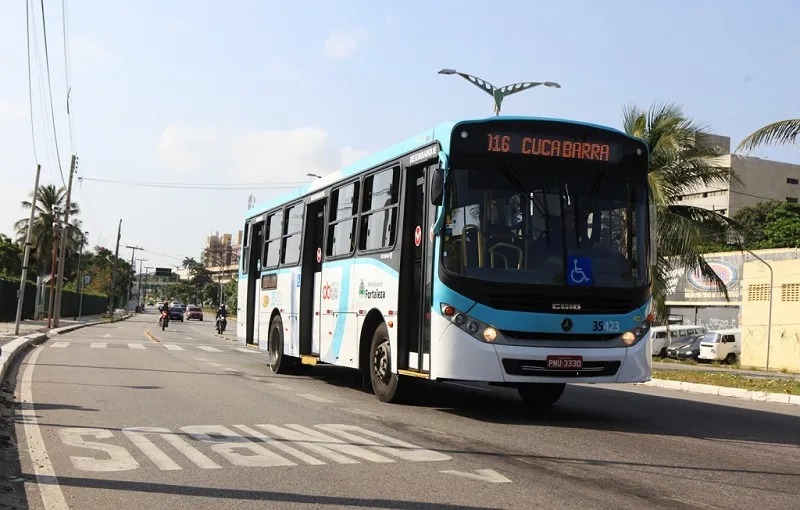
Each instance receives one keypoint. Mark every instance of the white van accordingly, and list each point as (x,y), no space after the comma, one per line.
(658,334)
(723,344)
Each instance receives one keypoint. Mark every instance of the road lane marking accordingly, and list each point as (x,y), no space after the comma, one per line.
(208,349)
(248,351)
(172,347)
(279,386)
(98,345)
(368,414)
(151,337)
(482,475)
(135,346)
(315,398)
(201,359)
(232,370)
(52,496)
(60,344)
(211,364)
(189,338)
(337,443)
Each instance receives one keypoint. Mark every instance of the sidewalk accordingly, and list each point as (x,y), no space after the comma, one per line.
(714,369)
(39,326)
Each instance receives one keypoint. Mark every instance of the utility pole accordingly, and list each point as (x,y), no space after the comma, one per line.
(26,257)
(114,271)
(146,268)
(54,265)
(130,276)
(63,251)
(139,285)
(80,278)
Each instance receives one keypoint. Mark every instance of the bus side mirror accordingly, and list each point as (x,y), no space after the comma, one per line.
(437,186)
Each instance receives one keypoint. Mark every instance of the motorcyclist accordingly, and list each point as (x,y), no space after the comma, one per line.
(222,312)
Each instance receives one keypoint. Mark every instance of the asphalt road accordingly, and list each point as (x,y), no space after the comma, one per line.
(225,433)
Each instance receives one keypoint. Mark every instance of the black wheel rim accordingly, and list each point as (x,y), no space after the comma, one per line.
(381,367)
(273,345)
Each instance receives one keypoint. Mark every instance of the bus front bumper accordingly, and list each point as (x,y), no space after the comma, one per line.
(458,356)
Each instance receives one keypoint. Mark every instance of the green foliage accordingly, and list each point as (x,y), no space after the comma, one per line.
(777,133)
(679,160)
(10,257)
(231,290)
(770,224)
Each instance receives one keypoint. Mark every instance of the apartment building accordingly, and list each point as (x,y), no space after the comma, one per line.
(759,180)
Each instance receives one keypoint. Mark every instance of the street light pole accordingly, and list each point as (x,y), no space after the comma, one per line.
(502,92)
(769,313)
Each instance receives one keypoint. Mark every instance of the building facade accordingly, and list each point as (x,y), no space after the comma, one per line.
(758,180)
(220,256)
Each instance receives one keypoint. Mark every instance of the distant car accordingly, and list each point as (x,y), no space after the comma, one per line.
(194,312)
(688,348)
(183,307)
(176,313)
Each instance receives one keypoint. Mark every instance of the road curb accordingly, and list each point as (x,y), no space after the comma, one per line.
(13,348)
(724,391)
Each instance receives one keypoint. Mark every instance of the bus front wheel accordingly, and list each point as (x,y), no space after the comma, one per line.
(384,382)
(278,363)
(541,394)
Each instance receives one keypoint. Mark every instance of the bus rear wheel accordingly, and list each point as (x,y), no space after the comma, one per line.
(384,382)
(541,394)
(278,363)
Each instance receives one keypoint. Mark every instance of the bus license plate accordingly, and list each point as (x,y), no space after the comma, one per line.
(564,362)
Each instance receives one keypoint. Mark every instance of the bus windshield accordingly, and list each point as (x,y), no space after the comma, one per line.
(556,224)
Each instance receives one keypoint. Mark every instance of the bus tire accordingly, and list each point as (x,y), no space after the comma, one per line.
(384,382)
(279,364)
(541,394)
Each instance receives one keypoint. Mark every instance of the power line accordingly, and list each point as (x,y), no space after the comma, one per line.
(30,84)
(67,78)
(50,91)
(209,186)
(42,98)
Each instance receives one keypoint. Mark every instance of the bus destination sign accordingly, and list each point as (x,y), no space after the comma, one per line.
(552,146)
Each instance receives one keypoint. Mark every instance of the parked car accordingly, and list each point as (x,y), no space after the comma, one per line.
(661,342)
(685,348)
(723,344)
(176,313)
(194,312)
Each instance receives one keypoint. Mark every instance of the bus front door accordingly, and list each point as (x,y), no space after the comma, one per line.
(253,279)
(415,275)
(311,278)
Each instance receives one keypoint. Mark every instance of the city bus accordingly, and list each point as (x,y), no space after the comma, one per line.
(514,251)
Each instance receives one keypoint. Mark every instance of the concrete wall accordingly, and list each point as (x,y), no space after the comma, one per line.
(762,178)
(784,350)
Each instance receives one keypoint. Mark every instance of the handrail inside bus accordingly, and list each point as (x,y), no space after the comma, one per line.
(492,254)
(464,244)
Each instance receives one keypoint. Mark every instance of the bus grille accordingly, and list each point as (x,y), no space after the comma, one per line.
(538,368)
(567,337)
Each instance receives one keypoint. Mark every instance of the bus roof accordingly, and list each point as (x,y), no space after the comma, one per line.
(440,133)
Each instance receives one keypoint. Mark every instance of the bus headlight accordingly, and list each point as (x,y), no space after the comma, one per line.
(474,327)
(628,338)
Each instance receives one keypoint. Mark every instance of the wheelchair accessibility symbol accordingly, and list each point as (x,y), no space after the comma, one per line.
(580,271)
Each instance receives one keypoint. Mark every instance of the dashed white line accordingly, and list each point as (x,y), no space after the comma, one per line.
(315,398)
(201,359)
(214,364)
(244,349)
(52,496)
(279,386)
(208,349)
(98,345)
(59,344)
(233,370)
(135,346)
(368,414)
(172,347)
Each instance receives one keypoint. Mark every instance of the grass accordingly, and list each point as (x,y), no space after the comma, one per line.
(714,364)
(774,385)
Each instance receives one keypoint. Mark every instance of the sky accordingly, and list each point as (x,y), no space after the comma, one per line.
(260,93)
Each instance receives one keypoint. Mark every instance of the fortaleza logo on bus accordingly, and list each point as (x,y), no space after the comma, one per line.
(369,291)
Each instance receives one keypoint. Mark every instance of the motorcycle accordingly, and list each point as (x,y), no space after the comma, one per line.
(163,321)
(222,322)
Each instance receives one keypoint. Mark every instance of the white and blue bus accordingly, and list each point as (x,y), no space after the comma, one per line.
(514,251)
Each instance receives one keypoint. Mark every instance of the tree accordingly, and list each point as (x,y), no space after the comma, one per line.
(769,224)
(49,201)
(777,133)
(10,257)
(679,160)
(100,265)
(231,290)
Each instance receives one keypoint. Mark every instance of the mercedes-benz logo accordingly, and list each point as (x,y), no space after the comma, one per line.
(566,325)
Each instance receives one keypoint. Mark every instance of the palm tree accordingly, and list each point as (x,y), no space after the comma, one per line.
(50,201)
(679,160)
(778,133)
